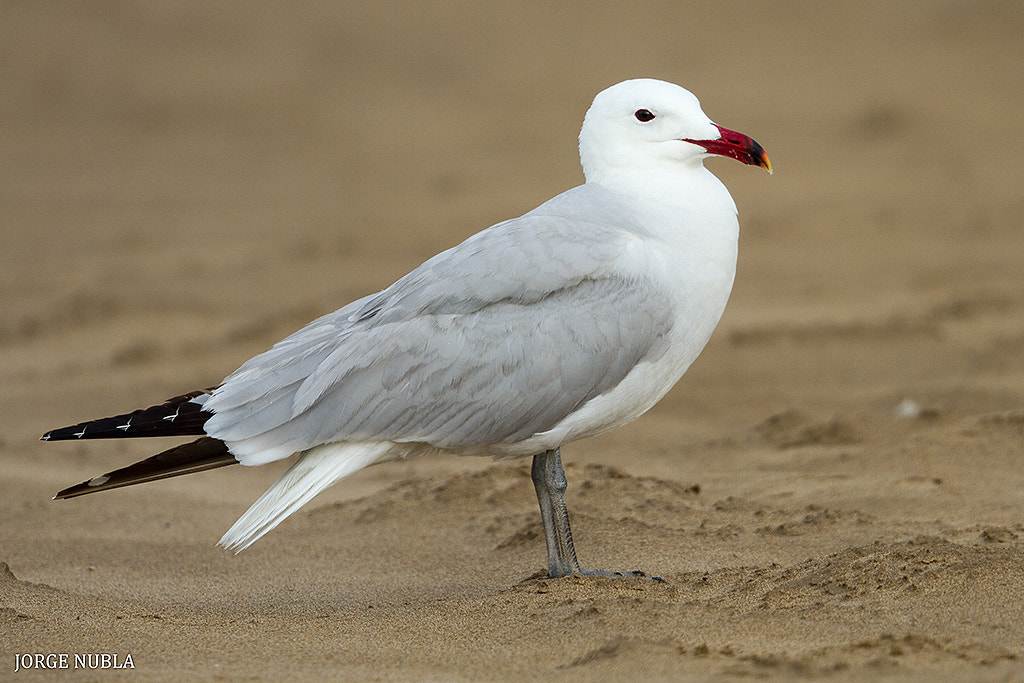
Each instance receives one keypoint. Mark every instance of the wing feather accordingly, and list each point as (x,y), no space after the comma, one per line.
(495,340)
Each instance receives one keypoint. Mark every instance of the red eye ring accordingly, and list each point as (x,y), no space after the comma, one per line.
(644,115)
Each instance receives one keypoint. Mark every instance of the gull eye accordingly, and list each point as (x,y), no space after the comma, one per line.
(644,115)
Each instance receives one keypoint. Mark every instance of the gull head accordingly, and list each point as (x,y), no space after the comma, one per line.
(648,125)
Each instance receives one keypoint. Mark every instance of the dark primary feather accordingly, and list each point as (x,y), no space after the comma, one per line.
(178,416)
(201,454)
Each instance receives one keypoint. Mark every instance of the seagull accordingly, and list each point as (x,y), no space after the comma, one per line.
(571,320)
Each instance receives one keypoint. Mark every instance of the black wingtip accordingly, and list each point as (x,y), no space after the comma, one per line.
(84,488)
(77,431)
(197,456)
(179,416)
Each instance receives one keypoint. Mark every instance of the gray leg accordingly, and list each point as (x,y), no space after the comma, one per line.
(549,480)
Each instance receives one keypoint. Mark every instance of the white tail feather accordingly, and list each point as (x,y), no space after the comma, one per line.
(314,471)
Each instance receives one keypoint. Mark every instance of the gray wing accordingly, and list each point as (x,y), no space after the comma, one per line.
(492,341)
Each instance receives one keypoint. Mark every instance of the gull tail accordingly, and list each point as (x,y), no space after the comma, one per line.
(314,471)
(202,454)
(179,416)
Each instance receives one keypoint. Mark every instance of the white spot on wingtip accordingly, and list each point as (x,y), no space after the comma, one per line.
(98,481)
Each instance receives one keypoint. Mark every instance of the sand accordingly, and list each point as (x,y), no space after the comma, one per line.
(834,490)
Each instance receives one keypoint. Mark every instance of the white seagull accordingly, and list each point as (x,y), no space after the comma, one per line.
(568,321)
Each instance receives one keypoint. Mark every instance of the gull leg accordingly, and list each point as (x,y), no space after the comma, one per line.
(549,480)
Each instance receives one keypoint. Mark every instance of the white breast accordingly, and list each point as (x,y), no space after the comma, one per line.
(691,255)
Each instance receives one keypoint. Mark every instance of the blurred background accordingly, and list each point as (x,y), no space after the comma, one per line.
(183,184)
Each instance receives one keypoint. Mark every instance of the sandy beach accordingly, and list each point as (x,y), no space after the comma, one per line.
(834,490)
